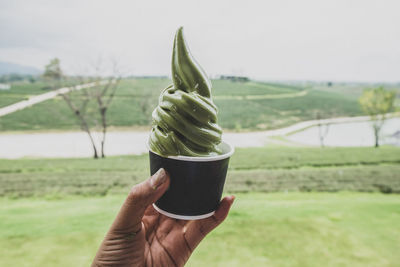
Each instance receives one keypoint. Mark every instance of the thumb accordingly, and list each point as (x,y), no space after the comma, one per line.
(140,197)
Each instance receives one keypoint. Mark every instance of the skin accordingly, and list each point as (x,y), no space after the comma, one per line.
(140,236)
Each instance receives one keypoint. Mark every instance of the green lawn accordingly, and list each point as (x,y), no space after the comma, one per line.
(229,88)
(68,204)
(22,90)
(136,99)
(295,229)
(251,169)
(353,90)
(9,99)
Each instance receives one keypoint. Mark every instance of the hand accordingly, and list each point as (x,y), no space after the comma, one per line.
(140,236)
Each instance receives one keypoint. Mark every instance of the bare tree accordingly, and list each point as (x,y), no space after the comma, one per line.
(102,92)
(104,96)
(90,102)
(80,112)
(323,130)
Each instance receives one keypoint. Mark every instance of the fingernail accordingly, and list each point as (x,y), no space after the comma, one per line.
(158,178)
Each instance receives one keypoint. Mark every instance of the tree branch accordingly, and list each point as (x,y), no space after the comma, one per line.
(84,124)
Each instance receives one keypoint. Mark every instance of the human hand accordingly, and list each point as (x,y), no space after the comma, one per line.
(141,236)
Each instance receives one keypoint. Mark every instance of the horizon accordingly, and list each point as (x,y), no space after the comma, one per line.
(218,76)
(339,41)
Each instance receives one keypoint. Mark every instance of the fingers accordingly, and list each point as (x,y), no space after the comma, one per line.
(197,230)
(140,197)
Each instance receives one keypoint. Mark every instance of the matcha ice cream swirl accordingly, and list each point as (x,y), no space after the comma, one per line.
(185,120)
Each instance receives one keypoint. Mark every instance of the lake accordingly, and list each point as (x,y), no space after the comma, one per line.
(349,134)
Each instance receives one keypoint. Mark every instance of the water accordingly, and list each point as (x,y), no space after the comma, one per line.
(350,134)
(76,144)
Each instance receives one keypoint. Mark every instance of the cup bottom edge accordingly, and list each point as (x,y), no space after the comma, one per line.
(182,217)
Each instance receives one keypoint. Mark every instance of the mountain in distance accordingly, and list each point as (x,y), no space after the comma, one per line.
(12,68)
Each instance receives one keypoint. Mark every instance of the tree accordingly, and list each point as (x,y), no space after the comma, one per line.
(80,111)
(323,129)
(53,73)
(90,115)
(376,103)
(104,94)
(88,101)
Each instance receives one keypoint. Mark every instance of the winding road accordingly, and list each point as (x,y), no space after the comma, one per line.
(42,97)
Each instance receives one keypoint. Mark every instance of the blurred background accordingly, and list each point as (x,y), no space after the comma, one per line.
(308,92)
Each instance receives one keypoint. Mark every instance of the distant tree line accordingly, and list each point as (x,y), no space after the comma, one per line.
(235,78)
(15,77)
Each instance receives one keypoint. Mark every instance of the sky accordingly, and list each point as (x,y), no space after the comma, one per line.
(323,40)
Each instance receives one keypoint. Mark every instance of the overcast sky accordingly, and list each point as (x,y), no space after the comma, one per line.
(339,40)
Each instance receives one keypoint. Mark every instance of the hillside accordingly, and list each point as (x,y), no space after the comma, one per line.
(12,68)
(242,106)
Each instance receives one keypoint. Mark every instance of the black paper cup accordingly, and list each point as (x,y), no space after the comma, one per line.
(196,183)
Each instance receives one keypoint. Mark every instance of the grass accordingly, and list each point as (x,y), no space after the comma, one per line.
(9,99)
(277,113)
(353,90)
(23,90)
(136,99)
(295,229)
(297,157)
(229,88)
(67,206)
(251,169)
(26,88)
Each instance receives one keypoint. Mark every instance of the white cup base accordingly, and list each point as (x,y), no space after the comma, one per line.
(183,217)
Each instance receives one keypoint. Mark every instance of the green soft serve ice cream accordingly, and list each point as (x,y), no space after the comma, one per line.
(185,120)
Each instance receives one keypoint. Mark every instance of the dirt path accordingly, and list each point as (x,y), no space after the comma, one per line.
(42,97)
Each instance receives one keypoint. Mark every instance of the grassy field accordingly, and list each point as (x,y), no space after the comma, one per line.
(20,91)
(136,98)
(251,169)
(55,212)
(9,99)
(353,90)
(295,229)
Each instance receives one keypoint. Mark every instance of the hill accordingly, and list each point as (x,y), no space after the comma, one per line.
(242,106)
(12,68)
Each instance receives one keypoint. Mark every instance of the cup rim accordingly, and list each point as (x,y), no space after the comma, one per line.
(200,159)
